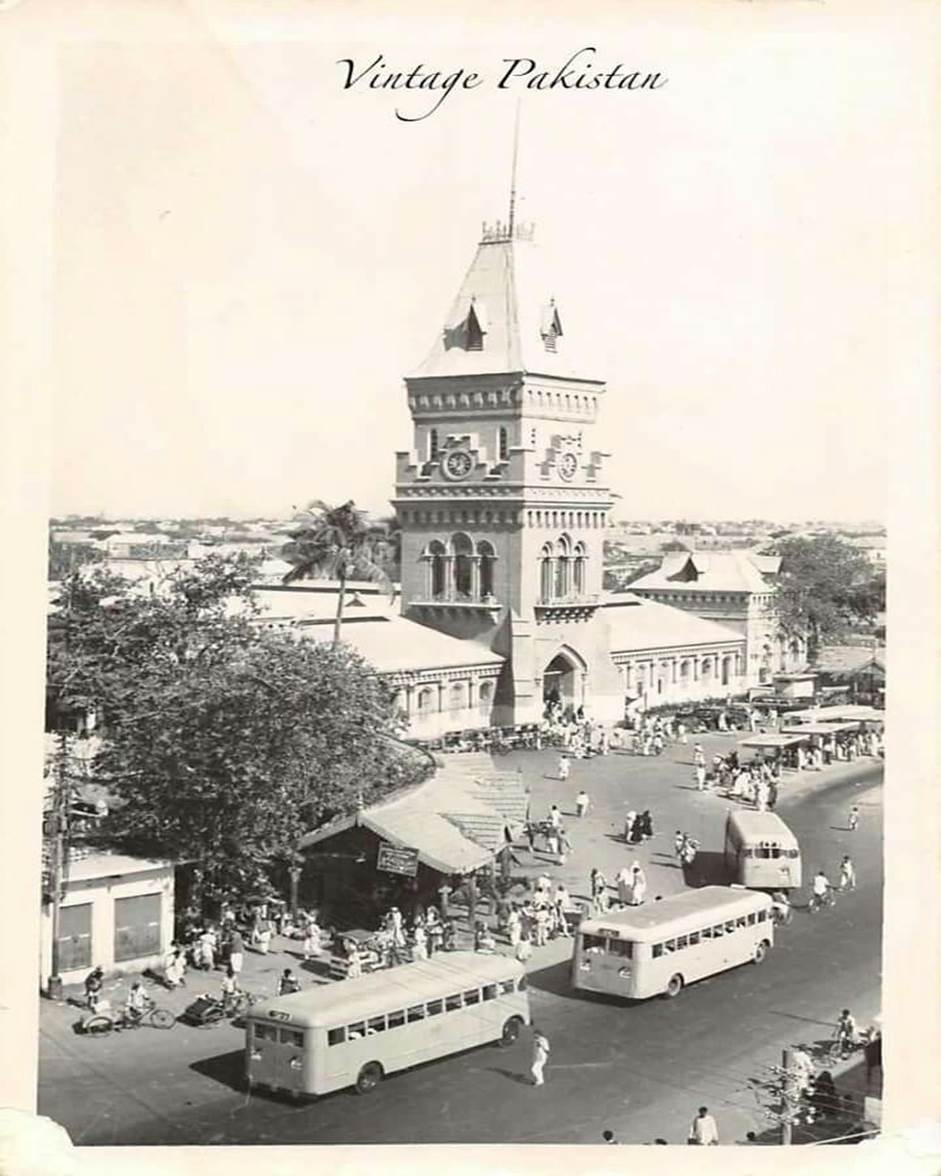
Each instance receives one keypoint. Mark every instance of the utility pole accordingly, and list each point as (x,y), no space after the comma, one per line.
(790,1096)
(57,833)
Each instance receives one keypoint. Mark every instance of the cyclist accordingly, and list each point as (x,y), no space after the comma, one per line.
(821,888)
(780,905)
(845,1033)
(136,1004)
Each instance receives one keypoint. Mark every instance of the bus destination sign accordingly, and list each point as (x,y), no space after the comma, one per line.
(397,861)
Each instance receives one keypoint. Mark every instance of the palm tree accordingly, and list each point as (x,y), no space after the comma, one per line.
(338,543)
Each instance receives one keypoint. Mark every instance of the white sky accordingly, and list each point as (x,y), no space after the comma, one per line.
(249,259)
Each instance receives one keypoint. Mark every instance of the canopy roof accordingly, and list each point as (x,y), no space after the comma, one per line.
(819,728)
(770,740)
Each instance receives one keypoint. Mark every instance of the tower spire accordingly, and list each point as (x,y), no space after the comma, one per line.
(516,141)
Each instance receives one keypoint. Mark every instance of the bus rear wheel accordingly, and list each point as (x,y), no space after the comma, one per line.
(511,1031)
(368,1078)
(760,952)
(674,986)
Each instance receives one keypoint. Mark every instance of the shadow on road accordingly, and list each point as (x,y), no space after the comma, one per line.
(513,1075)
(708,869)
(228,1069)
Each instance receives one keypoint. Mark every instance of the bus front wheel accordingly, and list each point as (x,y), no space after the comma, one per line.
(511,1031)
(369,1078)
(675,986)
(760,952)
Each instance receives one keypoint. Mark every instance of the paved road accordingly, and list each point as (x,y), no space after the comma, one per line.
(641,1070)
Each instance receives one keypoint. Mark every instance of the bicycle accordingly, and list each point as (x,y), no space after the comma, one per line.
(820,901)
(103,1022)
(844,1045)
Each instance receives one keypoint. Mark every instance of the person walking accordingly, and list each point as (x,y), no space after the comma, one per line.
(703,1131)
(622,880)
(698,755)
(540,1057)
(681,733)
(555,816)
(264,937)
(853,819)
(542,926)
(311,944)
(847,873)
(581,803)
(236,952)
(514,926)
(524,949)
(701,777)
(638,885)
(679,844)
(565,766)
(629,820)
(419,943)
(94,982)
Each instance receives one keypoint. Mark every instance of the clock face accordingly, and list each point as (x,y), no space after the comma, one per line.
(458,463)
(567,465)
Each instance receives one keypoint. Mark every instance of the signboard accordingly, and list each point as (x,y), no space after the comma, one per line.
(398,861)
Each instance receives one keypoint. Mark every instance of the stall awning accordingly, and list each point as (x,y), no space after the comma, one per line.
(778,741)
(820,728)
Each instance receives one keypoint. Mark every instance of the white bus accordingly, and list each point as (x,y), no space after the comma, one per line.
(354,1032)
(658,948)
(761,851)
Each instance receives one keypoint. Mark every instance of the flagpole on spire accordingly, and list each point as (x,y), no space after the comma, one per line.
(516,141)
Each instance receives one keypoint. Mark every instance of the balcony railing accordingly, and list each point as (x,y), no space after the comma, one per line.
(575,599)
(459,599)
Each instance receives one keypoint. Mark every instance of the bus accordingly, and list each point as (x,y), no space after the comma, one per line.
(659,948)
(354,1032)
(761,851)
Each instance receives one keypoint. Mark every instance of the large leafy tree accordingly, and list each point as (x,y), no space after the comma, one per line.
(826,588)
(339,543)
(222,742)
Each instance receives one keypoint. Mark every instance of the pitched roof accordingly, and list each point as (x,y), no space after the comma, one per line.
(372,626)
(638,624)
(509,303)
(848,659)
(454,822)
(711,571)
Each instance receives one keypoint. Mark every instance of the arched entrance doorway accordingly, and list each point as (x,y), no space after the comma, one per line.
(562,681)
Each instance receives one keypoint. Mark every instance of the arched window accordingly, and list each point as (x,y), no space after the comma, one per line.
(504,446)
(486,555)
(435,555)
(426,701)
(579,585)
(457,697)
(562,568)
(684,672)
(545,573)
(433,445)
(463,552)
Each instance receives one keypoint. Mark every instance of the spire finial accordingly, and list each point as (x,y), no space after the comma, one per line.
(516,141)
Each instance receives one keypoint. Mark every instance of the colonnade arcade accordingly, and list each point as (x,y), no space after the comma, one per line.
(562,570)
(680,674)
(449,701)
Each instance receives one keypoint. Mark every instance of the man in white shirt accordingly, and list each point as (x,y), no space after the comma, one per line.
(703,1130)
(540,1057)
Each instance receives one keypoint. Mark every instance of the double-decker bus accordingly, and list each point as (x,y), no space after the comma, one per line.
(660,947)
(354,1032)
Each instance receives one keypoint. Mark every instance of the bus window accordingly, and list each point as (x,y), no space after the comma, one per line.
(336,1036)
(620,947)
(267,1032)
(681,941)
(355,1031)
(471,997)
(762,916)
(435,1007)
(657,950)
(506,987)
(730,926)
(775,852)
(706,933)
(376,1025)
(593,943)
(669,946)
(717,931)
(292,1037)
(741,921)
(490,992)
(416,1013)
(396,1019)
(751,918)
(693,938)
(453,1002)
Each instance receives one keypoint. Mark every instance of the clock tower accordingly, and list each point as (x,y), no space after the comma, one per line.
(502,498)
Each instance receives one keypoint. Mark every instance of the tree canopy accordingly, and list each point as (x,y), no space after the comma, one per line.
(826,588)
(222,742)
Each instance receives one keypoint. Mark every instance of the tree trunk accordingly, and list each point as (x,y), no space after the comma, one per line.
(338,623)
